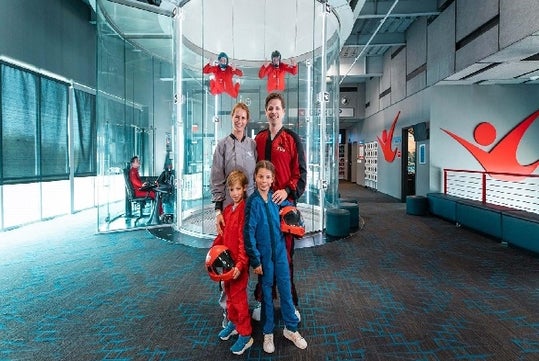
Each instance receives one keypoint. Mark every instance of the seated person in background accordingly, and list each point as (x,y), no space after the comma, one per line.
(142,189)
(166,179)
(165,183)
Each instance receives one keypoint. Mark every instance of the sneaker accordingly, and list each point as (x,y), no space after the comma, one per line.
(268,345)
(295,337)
(256,311)
(298,315)
(228,331)
(242,344)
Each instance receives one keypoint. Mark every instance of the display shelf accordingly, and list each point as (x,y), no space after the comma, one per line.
(371,165)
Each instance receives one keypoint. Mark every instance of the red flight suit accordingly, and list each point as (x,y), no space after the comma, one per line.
(134,178)
(276,81)
(223,80)
(237,305)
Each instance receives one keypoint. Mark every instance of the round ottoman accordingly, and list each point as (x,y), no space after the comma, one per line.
(337,222)
(353,208)
(416,205)
(348,200)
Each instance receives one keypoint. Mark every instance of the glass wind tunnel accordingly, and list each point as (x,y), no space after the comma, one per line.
(154,99)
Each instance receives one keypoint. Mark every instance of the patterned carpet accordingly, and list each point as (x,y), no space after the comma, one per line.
(402,288)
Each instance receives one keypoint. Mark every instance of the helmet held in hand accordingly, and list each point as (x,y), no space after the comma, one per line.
(219,263)
(292,221)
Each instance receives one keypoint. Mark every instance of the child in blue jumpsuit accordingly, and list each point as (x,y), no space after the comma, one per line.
(266,248)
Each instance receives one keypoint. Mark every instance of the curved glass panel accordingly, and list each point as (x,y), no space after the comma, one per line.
(308,38)
(134,108)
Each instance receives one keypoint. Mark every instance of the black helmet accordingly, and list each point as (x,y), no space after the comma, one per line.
(222,55)
(275,54)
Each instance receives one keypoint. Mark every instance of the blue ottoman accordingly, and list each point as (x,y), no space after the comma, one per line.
(416,205)
(353,208)
(337,222)
(348,200)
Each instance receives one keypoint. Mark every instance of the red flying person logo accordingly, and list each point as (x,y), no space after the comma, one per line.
(387,139)
(502,157)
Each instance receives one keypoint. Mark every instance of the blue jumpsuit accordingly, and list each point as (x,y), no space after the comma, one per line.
(265,245)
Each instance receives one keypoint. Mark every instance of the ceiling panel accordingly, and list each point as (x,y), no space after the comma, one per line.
(378,27)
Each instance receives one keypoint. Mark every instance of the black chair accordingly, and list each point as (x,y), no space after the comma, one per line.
(131,200)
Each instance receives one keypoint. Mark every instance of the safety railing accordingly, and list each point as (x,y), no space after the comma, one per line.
(514,190)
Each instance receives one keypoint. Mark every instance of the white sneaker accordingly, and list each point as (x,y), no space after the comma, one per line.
(268,345)
(295,337)
(298,315)
(256,311)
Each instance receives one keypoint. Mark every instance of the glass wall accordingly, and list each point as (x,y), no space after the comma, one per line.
(134,107)
(141,48)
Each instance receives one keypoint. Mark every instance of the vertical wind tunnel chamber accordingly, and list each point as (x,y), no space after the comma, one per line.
(195,115)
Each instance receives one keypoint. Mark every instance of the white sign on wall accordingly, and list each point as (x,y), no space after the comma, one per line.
(346,112)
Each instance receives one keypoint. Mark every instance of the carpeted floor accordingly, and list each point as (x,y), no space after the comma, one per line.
(402,288)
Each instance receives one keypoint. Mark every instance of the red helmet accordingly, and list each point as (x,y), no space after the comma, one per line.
(219,263)
(291,221)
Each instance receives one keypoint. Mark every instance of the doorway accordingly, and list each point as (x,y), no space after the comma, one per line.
(408,159)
